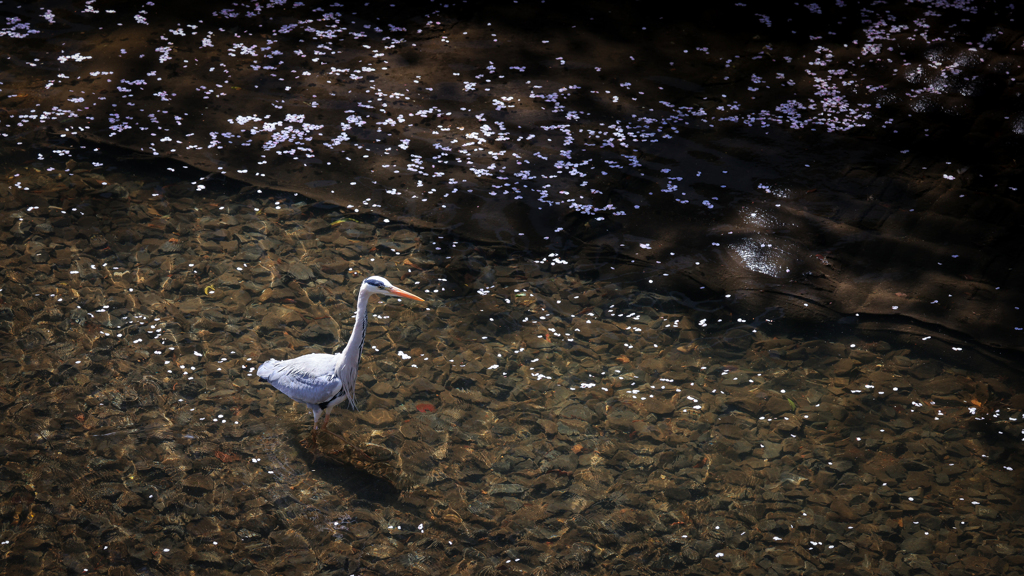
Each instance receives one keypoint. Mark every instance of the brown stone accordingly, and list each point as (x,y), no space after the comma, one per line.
(377,417)
(279,316)
(198,482)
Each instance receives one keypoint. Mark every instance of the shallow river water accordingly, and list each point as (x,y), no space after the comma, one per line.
(675,337)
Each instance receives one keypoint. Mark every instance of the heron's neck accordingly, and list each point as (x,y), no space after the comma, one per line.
(354,348)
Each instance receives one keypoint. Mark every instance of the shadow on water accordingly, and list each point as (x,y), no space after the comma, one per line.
(372,489)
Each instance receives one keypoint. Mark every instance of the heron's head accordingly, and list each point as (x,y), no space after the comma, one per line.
(378,285)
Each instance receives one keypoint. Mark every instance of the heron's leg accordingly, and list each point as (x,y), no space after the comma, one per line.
(317,413)
(316,431)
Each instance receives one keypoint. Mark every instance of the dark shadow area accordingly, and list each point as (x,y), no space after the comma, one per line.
(353,480)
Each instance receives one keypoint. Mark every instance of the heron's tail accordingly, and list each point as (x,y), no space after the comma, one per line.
(267,370)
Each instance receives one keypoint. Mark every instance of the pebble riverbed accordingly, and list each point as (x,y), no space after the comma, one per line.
(524,419)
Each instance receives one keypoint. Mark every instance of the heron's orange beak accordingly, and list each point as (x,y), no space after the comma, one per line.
(399,292)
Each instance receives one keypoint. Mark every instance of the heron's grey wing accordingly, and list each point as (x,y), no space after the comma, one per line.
(310,378)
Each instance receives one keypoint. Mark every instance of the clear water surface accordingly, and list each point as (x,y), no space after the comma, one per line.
(790,345)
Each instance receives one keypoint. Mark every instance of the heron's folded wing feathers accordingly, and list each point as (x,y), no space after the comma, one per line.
(310,378)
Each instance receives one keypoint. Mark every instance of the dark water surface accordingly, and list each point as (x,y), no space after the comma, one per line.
(727,292)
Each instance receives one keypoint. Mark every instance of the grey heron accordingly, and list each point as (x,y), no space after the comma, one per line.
(322,381)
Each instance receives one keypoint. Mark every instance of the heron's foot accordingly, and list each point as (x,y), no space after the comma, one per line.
(310,442)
